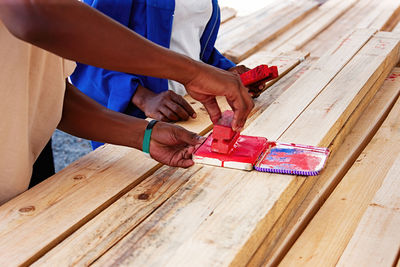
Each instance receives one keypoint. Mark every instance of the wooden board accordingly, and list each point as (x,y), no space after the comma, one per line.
(376,241)
(78,193)
(127,212)
(227,14)
(329,15)
(361,15)
(310,26)
(255,36)
(206,226)
(289,227)
(327,235)
(232,30)
(381,15)
(396,28)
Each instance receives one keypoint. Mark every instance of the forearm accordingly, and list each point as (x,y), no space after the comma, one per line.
(85,118)
(78,32)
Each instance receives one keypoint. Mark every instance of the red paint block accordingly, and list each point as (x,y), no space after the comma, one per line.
(223,136)
(261,73)
(243,156)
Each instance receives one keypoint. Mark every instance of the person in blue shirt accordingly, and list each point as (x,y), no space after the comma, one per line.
(189,27)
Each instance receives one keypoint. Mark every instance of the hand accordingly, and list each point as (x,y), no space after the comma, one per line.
(209,82)
(166,106)
(254,89)
(173,145)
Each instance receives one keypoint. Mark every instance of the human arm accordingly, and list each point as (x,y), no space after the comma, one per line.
(57,26)
(83,117)
(164,106)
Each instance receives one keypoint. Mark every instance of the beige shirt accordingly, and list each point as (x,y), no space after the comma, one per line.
(32,86)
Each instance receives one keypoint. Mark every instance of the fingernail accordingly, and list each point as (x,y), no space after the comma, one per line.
(194,116)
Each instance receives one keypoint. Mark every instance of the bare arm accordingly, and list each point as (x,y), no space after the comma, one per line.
(76,31)
(85,118)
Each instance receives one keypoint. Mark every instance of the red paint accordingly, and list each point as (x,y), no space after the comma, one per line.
(259,74)
(223,136)
(393,77)
(294,157)
(247,149)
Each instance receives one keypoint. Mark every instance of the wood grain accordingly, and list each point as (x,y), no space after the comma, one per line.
(354,140)
(327,235)
(77,194)
(87,244)
(227,14)
(376,241)
(234,228)
(310,26)
(255,37)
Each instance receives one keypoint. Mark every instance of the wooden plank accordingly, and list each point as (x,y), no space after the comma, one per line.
(82,190)
(256,37)
(307,23)
(360,16)
(231,32)
(293,101)
(85,245)
(315,28)
(169,237)
(376,241)
(290,226)
(396,29)
(103,231)
(325,238)
(227,13)
(381,15)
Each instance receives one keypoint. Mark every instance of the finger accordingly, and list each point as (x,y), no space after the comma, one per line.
(178,110)
(168,113)
(213,109)
(188,108)
(187,137)
(242,106)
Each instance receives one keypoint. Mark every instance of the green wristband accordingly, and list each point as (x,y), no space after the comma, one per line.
(147,136)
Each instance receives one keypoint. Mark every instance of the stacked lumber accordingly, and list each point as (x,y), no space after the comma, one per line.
(374,14)
(78,193)
(303,32)
(241,37)
(221,216)
(396,28)
(358,223)
(227,14)
(352,144)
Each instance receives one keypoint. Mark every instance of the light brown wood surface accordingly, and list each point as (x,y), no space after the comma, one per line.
(310,26)
(376,241)
(77,194)
(327,235)
(227,13)
(374,14)
(197,226)
(253,38)
(354,141)
(124,219)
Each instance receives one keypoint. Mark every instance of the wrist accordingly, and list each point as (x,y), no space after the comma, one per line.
(141,97)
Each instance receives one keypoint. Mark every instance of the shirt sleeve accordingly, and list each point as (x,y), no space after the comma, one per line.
(218,60)
(111,89)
